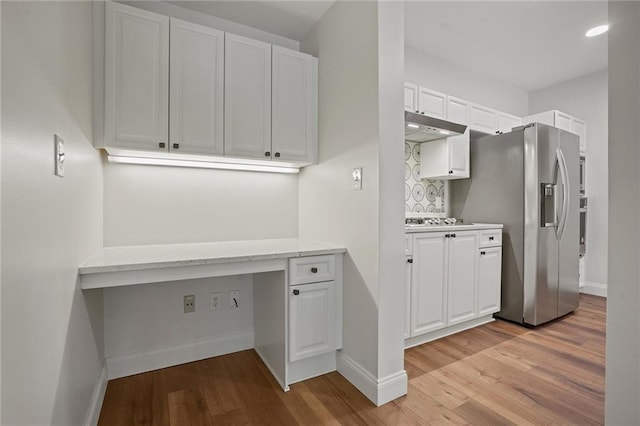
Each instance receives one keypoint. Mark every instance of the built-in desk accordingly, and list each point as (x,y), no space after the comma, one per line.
(292,279)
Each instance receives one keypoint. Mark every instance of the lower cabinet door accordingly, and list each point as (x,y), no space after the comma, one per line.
(489,273)
(428,283)
(312,328)
(463,252)
(407,298)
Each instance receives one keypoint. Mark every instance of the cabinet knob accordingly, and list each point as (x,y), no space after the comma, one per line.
(450,172)
(277,154)
(314,270)
(447,235)
(453,235)
(422,112)
(409,260)
(417,111)
(161,145)
(483,253)
(176,145)
(490,238)
(267,154)
(296,292)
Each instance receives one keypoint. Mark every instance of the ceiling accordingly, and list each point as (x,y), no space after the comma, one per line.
(528,44)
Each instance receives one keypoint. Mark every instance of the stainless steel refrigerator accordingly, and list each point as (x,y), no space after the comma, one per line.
(528,179)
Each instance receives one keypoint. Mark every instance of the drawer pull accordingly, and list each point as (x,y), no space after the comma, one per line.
(161,144)
(409,260)
(314,270)
(490,238)
(483,253)
(296,292)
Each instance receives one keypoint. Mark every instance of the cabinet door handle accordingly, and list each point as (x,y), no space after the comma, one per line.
(296,292)
(277,154)
(267,154)
(417,111)
(314,270)
(490,238)
(422,112)
(483,253)
(450,172)
(453,235)
(161,145)
(447,235)
(176,145)
(409,260)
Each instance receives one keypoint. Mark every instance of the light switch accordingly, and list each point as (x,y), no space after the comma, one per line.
(58,152)
(357,179)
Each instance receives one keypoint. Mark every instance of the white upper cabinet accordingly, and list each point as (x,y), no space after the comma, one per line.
(294,106)
(506,122)
(483,119)
(562,121)
(247,98)
(410,97)
(136,78)
(432,103)
(197,89)
(579,127)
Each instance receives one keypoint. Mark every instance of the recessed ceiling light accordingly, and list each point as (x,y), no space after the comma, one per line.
(596,31)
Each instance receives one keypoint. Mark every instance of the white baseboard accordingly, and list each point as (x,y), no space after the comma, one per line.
(447,331)
(379,391)
(595,289)
(140,362)
(97,397)
(304,369)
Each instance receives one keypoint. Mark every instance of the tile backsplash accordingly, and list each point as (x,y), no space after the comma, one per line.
(419,194)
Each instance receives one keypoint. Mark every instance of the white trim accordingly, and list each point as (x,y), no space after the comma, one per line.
(428,337)
(379,391)
(595,289)
(141,362)
(97,397)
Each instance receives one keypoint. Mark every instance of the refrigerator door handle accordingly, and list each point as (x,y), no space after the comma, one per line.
(564,175)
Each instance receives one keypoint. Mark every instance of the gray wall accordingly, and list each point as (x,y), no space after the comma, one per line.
(622,396)
(586,98)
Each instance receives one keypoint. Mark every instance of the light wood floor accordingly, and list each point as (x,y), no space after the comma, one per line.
(496,374)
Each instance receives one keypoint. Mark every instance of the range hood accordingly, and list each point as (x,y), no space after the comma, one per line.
(422,128)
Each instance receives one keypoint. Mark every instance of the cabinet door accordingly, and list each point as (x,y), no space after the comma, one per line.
(410,97)
(136,78)
(428,283)
(432,103)
(458,147)
(579,127)
(197,89)
(311,320)
(483,119)
(294,105)
(489,273)
(506,122)
(247,98)
(457,110)
(463,252)
(407,298)
(562,121)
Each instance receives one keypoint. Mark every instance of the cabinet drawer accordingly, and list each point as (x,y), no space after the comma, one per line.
(312,269)
(491,238)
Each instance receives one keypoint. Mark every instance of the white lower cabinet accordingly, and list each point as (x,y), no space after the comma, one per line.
(489,274)
(463,249)
(407,298)
(311,320)
(454,281)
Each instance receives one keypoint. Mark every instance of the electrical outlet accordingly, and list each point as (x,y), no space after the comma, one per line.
(215,301)
(234,299)
(58,155)
(357,179)
(189,303)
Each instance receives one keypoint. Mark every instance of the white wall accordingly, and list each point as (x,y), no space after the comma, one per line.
(52,352)
(353,133)
(622,394)
(586,98)
(435,73)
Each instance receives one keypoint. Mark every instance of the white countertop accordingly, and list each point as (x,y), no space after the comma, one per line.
(444,228)
(131,258)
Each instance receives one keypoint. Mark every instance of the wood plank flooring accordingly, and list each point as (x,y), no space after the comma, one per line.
(496,374)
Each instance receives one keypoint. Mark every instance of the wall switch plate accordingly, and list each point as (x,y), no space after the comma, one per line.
(58,153)
(215,301)
(234,299)
(357,179)
(189,303)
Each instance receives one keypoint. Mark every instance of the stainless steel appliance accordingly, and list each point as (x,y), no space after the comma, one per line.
(583,226)
(528,179)
(583,175)
(422,128)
